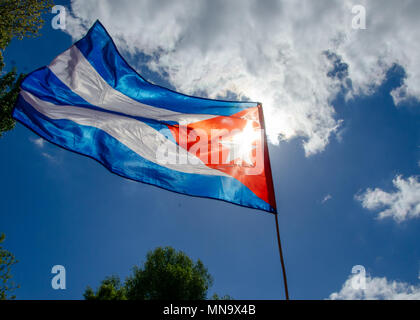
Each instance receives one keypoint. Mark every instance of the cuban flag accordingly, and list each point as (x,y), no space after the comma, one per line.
(90,101)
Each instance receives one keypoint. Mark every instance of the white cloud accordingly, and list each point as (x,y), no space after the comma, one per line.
(49,157)
(376,289)
(269,51)
(401,205)
(326,198)
(39,142)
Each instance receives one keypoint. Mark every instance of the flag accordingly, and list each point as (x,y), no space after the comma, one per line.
(90,101)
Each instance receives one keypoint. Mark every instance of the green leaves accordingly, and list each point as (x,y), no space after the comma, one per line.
(166,274)
(7,260)
(21,18)
(9,90)
(110,289)
(18,19)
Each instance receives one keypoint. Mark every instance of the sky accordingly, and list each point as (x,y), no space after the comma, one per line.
(342,107)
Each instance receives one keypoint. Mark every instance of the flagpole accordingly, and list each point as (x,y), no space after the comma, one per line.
(286,290)
(271,185)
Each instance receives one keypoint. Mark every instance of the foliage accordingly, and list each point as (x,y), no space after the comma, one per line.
(225,297)
(110,289)
(9,90)
(7,260)
(18,19)
(166,274)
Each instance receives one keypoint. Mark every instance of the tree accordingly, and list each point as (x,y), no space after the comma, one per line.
(166,274)
(7,260)
(9,91)
(18,19)
(225,297)
(110,289)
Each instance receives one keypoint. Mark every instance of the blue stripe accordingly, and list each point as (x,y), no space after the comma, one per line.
(44,84)
(118,158)
(99,49)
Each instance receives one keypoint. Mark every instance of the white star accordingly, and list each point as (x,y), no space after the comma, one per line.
(241,145)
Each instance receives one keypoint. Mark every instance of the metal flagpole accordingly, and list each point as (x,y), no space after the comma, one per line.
(286,290)
(270,183)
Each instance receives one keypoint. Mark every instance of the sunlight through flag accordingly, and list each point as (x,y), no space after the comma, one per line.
(90,101)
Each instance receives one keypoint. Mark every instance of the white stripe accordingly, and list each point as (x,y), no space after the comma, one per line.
(136,135)
(76,72)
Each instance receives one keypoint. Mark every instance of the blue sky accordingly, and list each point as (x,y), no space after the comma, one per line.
(62,208)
